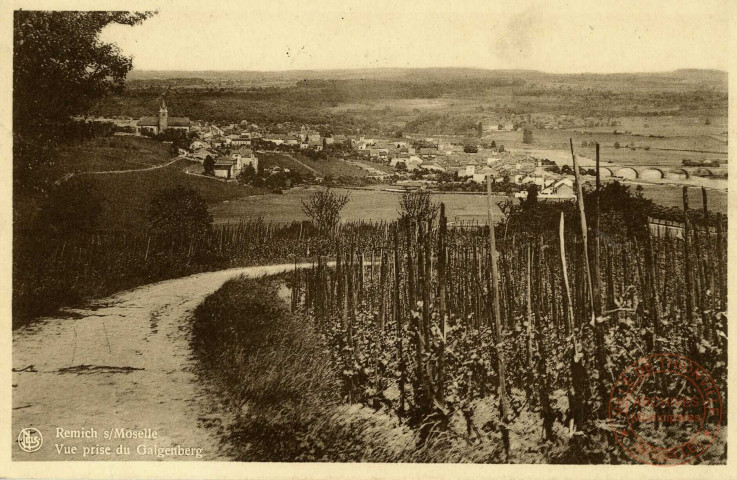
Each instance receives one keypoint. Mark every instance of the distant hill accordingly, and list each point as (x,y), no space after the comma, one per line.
(389,100)
(714,78)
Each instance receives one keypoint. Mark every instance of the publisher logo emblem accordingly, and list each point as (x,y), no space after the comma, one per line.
(30,440)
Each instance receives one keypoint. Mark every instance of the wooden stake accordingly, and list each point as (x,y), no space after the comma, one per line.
(497,320)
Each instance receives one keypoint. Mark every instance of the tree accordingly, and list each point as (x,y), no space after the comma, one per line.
(501,148)
(209,165)
(616,145)
(247,174)
(527,135)
(60,69)
(532,193)
(417,206)
(470,149)
(401,167)
(179,211)
(324,207)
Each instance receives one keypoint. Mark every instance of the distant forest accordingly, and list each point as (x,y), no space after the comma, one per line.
(311,97)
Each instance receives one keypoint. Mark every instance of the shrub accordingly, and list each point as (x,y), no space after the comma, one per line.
(324,208)
(417,206)
(179,211)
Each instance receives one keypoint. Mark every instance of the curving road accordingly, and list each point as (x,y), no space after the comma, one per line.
(124,362)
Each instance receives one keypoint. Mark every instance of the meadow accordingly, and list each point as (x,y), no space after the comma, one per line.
(376,204)
(324,167)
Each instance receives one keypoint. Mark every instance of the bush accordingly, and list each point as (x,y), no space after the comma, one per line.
(417,206)
(209,165)
(179,211)
(324,208)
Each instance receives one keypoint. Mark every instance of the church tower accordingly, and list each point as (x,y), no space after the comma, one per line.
(163,117)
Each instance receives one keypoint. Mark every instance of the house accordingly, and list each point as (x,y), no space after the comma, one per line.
(492,160)
(449,148)
(241,140)
(292,140)
(379,153)
(429,152)
(242,158)
(218,142)
(538,179)
(162,123)
(397,160)
(480,176)
(196,145)
(308,135)
(563,188)
(275,138)
(314,144)
(470,171)
(225,168)
(363,143)
(202,153)
(433,167)
(411,162)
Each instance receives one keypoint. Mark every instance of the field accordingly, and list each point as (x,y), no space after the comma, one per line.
(111,153)
(296,162)
(376,204)
(365,204)
(124,196)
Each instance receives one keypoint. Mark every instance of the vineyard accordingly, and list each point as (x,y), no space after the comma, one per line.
(509,342)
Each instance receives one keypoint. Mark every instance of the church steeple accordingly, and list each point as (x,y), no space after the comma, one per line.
(163,116)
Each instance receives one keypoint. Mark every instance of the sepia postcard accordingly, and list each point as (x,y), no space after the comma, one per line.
(353,239)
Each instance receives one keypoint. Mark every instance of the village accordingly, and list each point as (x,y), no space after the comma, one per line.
(228,152)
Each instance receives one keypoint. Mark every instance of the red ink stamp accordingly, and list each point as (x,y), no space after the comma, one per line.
(665,409)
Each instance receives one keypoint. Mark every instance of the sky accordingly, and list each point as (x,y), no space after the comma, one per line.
(559,36)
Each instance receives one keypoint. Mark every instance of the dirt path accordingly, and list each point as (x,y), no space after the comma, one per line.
(133,170)
(115,172)
(319,174)
(122,363)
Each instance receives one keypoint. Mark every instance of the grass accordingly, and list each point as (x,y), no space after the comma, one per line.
(684,136)
(127,196)
(267,363)
(329,166)
(124,196)
(280,388)
(375,204)
(112,153)
(369,204)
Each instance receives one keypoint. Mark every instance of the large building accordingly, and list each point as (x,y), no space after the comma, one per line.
(154,125)
(231,167)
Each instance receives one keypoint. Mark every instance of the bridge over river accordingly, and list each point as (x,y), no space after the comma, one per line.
(660,172)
